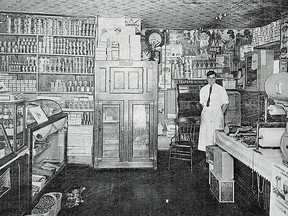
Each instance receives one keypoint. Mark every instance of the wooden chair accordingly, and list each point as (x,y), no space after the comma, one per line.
(183,142)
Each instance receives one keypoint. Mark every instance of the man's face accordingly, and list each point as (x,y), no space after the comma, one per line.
(211,79)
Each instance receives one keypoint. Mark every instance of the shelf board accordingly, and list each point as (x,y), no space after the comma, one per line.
(68,55)
(77,110)
(202,78)
(26,92)
(59,73)
(112,121)
(19,72)
(271,45)
(16,34)
(68,36)
(81,93)
(42,35)
(29,92)
(10,53)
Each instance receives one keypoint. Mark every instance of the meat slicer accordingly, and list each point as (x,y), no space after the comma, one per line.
(276,87)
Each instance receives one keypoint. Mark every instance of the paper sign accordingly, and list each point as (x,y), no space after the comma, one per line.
(38,114)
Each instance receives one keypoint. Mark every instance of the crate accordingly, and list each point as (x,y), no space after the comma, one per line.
(222,190)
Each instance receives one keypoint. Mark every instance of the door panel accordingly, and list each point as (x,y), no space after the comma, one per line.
(118,80)
(110,130)
(140,125)
(126,80)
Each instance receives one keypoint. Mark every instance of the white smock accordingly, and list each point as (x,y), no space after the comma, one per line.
(212,117)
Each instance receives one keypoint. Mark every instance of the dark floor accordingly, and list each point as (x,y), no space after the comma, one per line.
(147,192)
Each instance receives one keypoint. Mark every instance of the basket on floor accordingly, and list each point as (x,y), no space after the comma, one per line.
(48,205)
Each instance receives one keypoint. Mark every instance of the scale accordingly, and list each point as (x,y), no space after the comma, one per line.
(276,87)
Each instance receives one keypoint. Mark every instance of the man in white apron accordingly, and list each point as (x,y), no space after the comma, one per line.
(214,100)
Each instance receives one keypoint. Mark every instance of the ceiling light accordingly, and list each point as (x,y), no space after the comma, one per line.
(192,2)
(220,16)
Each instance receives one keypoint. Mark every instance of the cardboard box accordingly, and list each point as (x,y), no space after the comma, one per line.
(223,164)
(38,181)
(223,190)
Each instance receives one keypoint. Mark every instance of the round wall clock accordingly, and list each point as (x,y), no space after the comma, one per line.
(155,38)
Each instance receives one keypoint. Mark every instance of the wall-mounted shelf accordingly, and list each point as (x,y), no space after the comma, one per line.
(275,45)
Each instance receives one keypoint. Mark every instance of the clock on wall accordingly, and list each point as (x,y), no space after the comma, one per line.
(154,39)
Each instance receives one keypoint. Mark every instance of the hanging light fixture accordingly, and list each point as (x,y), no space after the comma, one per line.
(190,2)
(220,16)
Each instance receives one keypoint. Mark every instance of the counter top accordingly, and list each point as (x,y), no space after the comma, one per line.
(263,162)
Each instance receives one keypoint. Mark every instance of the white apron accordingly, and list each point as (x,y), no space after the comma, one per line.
(212,118)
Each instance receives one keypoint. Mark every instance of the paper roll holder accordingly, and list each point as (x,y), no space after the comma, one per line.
(258,136)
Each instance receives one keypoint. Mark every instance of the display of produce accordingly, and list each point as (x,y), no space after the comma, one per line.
(48,205)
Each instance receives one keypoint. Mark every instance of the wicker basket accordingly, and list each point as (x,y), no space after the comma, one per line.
(53,205)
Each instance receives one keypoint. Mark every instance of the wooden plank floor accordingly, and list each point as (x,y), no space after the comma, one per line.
(147,192)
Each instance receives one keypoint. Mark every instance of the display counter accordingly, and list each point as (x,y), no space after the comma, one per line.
(47,140)
(261,162)
(266,162)
(14,156)
(14,190)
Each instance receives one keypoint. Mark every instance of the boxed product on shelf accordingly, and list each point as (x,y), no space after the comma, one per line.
(40,171)
(38,181)
(49,166)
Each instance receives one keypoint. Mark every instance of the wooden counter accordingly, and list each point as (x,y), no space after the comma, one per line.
(262,163)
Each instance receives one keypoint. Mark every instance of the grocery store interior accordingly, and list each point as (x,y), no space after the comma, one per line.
(105,108)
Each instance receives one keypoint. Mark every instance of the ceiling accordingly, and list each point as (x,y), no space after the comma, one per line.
(173,14)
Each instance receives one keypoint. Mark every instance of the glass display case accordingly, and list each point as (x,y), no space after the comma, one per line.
(47,136)
(13,120)
(14,159)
